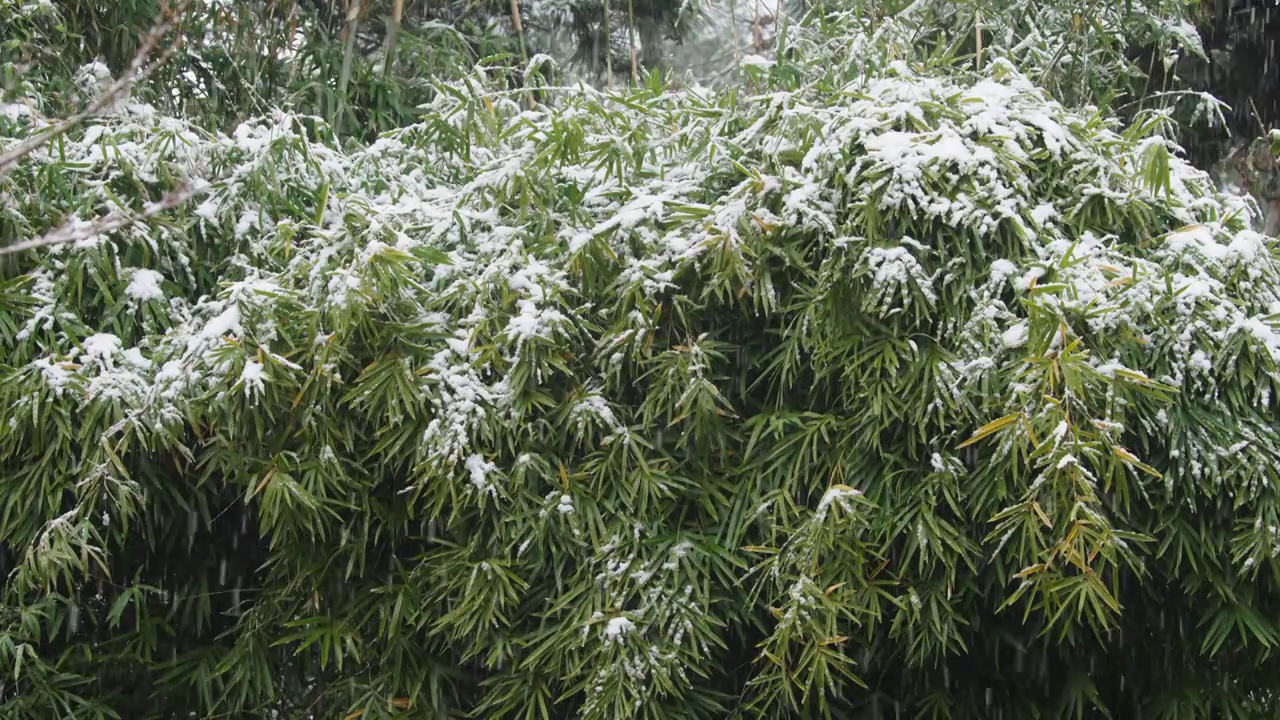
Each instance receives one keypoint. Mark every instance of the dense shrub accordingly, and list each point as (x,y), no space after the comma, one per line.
(889,390)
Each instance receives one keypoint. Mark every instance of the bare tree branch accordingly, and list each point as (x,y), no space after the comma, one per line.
(77,230)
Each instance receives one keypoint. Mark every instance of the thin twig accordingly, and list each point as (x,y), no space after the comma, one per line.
(757,35)
(1075,30)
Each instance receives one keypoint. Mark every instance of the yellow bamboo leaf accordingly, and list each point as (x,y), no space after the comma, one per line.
(1070,539)
(1130,459)
(265,478)
(1132,376)
(1033,570)
(990,428)
(1040,513)
(1124,454)
(1026,425)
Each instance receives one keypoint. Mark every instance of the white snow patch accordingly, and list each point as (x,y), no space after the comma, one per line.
(479,470)
(101,347)
(565,506)
(145,285)
(1015,336)
(839,494)
(254,377)
(1002,270)
(616,630)
(1043,213)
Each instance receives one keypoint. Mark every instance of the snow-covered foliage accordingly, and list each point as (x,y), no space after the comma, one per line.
(1080,52)
(886,385)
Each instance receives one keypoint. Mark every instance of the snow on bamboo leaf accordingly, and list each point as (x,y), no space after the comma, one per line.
(535,395)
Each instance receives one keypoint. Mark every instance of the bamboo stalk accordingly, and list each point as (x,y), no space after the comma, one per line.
(608,47)
(733,23)
(519,28)
(524,52)
(353,27)
(757,34)
(393,34)
(977,34)
(631,41)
